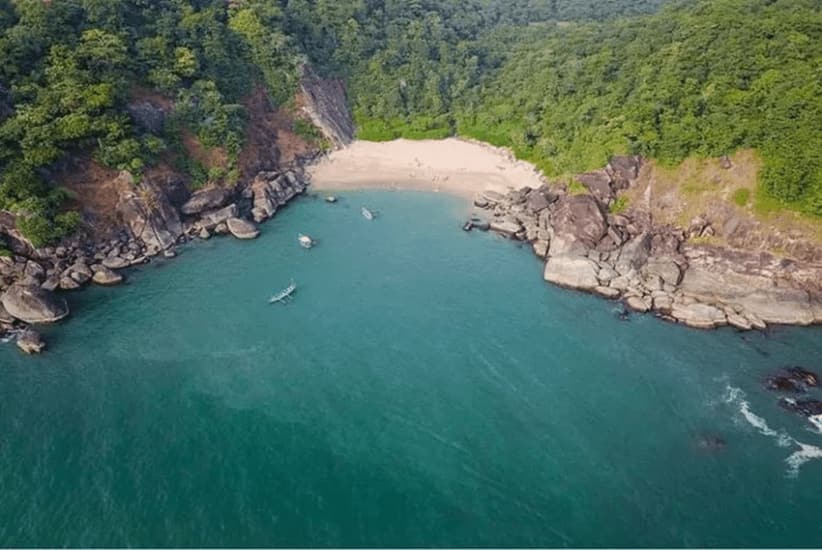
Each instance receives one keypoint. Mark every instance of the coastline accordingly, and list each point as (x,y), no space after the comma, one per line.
(452,165)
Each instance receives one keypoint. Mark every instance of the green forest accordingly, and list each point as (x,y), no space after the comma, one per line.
(564,83)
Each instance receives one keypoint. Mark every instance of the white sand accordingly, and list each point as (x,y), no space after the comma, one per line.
(450,165)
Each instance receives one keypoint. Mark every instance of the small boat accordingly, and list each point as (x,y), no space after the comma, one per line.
(331,198)
(305,241)
(284,296)
(469,225)
(367,214)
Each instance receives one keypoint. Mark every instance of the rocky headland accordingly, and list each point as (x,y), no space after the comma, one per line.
(590,244)
(131,220)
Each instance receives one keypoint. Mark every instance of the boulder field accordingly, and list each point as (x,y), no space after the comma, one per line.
(659,268)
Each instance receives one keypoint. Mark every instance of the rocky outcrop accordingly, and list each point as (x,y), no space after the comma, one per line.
(272,190)
(242,229)
(208,198)
(146,211)
(211,220)
(34,305)
(326,104)
(652,267)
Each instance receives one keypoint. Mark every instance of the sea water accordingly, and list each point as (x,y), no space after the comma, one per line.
(424,388)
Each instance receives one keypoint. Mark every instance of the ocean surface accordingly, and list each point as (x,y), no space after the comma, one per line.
(424,388)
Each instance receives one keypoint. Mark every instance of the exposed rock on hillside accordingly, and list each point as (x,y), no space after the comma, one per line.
(325,103)
(148,214)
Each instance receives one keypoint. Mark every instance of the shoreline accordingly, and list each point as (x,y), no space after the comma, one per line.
(454,166)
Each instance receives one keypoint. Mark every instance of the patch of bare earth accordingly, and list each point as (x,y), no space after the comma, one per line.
(726,196)
(93,191)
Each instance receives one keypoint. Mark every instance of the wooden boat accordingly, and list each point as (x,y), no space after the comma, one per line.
(284,296)
(305,241)
(367,214)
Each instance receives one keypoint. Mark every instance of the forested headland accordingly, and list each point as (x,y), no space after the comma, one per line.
(564,83)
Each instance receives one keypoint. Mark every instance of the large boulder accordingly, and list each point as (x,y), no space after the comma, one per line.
(599,184)
(211,220)
(148,214)
(242,229)
(271,190)
(698,315)
(34,305)
(207,198)
(572,272)
(105,276)
(148,116)
(579,216)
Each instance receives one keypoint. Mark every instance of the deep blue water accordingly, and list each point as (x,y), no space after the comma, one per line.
(425,388)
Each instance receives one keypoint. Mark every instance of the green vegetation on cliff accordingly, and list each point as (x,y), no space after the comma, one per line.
(565,83)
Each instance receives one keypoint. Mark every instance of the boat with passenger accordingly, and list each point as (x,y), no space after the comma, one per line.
(285,295)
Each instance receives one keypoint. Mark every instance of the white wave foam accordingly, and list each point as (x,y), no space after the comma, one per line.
(805,454)
(795,461)
(817,422)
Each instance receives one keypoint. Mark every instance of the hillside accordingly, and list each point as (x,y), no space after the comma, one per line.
(91,87)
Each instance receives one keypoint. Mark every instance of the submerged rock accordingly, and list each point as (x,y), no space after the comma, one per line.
(30,342)
(804,407)
(34,305)
(793,380)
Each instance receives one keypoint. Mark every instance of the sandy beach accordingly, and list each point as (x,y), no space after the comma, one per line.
(452,165)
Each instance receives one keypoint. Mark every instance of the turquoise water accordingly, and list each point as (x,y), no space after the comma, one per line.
(425,388)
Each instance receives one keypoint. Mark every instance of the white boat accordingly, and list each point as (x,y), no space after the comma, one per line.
(305,241)
(331,199)
(367,214)
(284,296)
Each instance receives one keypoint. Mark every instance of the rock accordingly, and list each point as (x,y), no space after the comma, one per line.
(541,248)
(634,254)
(739,322)
(204,234)
(148,116)
(711,443)
(665,269)
(572,271)
(507,226)
(210,220)
(5,316)
(663,303)
(537,202)
(51,284)
(207,198)
(105,276)
(147,213)
(699,315)
(271,190)
(30,342)
(67,282)
(725,162)
(579,216)
(242,229)
(638,304)
(35,270)
(607,292)
(115,262)
(491,198)
(599,184)
(805,407)
(793,380)
(221,229)
(34,305)
(625,169)
(327,107)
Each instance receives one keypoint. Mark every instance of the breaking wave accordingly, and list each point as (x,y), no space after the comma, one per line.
(806,453)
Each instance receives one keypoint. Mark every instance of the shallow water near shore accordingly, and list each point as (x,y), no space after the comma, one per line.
(424,388)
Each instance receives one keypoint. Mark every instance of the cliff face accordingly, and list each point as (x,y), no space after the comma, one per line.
(127,219)
(324,101)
